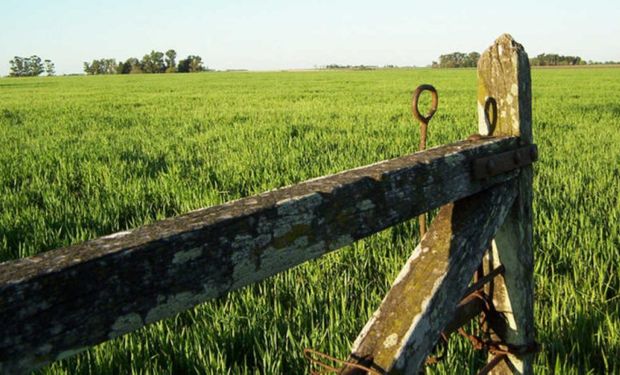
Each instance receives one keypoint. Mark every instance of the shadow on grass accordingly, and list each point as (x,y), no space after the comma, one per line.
(577,346)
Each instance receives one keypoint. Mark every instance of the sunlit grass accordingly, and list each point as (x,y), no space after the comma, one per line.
(86,156)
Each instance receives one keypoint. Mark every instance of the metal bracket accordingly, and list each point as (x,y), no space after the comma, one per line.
(501,163)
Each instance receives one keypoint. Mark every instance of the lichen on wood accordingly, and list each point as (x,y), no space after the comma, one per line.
(504,74)
(75,297)
(425,294)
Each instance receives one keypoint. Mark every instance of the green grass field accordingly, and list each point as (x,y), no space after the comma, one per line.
(83,157)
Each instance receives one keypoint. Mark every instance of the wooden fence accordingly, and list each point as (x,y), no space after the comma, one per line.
(61,302)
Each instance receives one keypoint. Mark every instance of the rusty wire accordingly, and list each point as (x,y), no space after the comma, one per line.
(309,353)
(499,349)
(481,281)
(435,359)
(492,363)
(424,120)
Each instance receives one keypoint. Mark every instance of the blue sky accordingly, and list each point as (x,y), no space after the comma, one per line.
(275,34)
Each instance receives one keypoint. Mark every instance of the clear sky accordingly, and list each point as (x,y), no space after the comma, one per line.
(284,34)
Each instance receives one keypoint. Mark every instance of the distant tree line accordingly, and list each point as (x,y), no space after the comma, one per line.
(154,62)
(553,59)
(590,62)
(363,67)
(32,66)
(470,60)
(353,67)
(457,60)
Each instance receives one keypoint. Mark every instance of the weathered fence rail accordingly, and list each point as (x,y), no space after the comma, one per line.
(63,301)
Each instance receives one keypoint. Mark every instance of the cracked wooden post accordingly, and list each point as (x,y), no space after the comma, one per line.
(504,74)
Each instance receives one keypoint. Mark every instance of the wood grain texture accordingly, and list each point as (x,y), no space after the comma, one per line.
(425,295)
(61,302)
(504,74)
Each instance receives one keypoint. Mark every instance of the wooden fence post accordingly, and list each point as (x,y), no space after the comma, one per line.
(504,74)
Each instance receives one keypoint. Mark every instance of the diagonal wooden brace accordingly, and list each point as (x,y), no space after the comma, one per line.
(424,297)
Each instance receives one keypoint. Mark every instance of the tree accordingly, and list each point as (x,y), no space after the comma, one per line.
(153,62)
(131,66)
(458,60)
(26,66)
(171,64)
(110,66)
(123,68)
(191,64)
(91,68)
(195,64)
(101,66)
(553,59)
(473,58)
(136,65)
(18,67)
(35,66)
(50,69)
(183,66)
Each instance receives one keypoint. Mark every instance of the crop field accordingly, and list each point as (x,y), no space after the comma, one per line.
(82,157)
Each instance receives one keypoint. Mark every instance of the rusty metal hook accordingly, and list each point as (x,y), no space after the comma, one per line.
(424,120)
(490,103)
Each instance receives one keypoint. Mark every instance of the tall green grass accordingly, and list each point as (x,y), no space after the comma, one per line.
(82,157)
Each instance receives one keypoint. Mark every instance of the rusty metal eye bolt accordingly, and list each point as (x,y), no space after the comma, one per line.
(416,97)
(424,120)
(490,104)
